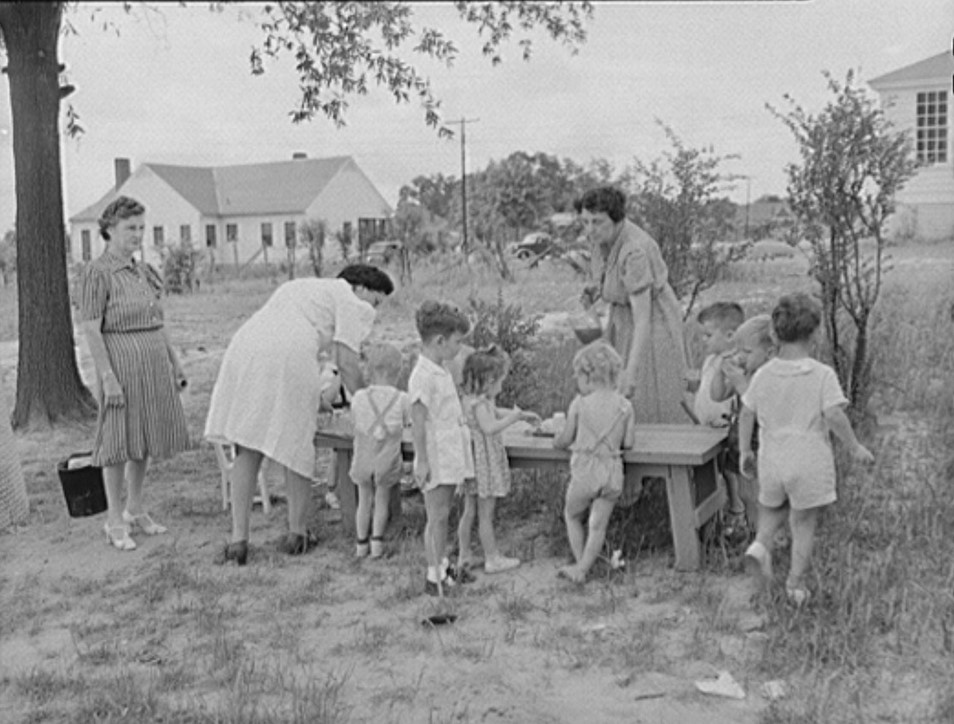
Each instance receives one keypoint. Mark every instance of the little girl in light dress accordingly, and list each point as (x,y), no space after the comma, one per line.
(483,376)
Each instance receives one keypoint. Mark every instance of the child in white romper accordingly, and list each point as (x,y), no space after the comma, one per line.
(599,424)
(380,412)
(797,401)
(483,375)
(442,451)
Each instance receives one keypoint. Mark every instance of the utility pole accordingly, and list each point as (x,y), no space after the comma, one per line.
(748,204)
(463,177)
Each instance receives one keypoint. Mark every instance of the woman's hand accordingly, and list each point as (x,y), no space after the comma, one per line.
(747,464)
(589,295)
(422,473)
(861,454)
(181,381)
(627,384)
(112,390)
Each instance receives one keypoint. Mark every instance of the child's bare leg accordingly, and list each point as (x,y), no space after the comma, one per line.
(362,513)
(485,521)
(732,485)
(437,505)
(573,511)
(770,520)
(382,509)
(803,524)
(749,492)
(600,512)
(464,528)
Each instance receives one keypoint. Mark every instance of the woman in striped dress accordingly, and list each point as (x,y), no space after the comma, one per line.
(137,370)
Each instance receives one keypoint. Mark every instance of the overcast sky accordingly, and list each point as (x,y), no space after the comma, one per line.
(172,85)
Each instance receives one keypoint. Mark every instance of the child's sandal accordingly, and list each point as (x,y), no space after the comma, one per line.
(362,549)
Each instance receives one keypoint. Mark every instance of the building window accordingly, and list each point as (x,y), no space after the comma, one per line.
(231,232)
(210,235)
(87,245)
(266,233)
(185,234)
(158,236)
(932,127)
(289,233)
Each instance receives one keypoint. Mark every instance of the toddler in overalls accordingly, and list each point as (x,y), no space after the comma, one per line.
(380,412)
(599,425)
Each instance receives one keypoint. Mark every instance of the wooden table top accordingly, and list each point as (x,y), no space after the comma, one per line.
(655,444)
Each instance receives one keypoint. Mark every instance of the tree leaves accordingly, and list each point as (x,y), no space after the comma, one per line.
(341,48)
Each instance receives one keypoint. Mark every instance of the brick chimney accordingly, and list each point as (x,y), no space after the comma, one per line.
(122,170)
(299,155)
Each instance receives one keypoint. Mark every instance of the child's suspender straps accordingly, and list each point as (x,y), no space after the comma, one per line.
(599,439)
(379,413)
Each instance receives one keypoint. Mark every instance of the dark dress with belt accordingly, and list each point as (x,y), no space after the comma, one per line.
(151,423)
(632,265)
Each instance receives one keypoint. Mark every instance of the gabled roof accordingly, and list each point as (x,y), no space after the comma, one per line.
(280,187)
(937,68)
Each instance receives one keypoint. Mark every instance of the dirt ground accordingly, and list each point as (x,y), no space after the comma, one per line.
(165,634)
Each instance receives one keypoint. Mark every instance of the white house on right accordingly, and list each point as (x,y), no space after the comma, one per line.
(918,97)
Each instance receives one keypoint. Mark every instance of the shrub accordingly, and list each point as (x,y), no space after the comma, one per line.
(179,269)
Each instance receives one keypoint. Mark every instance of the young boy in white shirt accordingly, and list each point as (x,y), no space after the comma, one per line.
(719,321)
(442,451)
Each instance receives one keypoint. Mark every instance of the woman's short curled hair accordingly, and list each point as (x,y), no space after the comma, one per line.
(122,208)
(367,276)
(599,363)
(605,199)
(796,317)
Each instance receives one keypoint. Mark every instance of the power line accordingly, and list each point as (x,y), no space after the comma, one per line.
(463,175)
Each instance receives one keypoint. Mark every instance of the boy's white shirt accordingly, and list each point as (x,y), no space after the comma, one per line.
(708,411)
(446,434)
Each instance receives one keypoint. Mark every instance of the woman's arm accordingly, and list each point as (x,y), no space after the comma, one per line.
(177,370)
(112,390)
(349,367)
(641,307)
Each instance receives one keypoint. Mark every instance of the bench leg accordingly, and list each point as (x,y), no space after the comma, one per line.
(682,518)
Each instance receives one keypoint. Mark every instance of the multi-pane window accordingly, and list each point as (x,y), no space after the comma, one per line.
(158,236)
(231,232)
(932,127)
(289,233)
(266,233)
(210,235)
(185,234)
(87,245)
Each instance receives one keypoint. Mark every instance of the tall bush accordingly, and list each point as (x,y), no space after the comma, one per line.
(676,199)
(852,165)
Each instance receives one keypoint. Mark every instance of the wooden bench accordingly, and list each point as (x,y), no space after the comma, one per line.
(684,455)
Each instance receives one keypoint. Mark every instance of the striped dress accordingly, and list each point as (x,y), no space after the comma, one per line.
(126,296)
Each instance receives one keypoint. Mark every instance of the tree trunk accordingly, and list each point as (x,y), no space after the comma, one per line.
(49,387)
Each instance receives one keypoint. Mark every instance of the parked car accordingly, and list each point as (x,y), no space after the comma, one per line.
(534,244)
(382,252)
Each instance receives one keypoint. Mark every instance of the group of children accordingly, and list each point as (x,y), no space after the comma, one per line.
(759,379)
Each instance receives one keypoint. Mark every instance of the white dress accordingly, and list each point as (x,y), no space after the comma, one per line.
(267,393)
